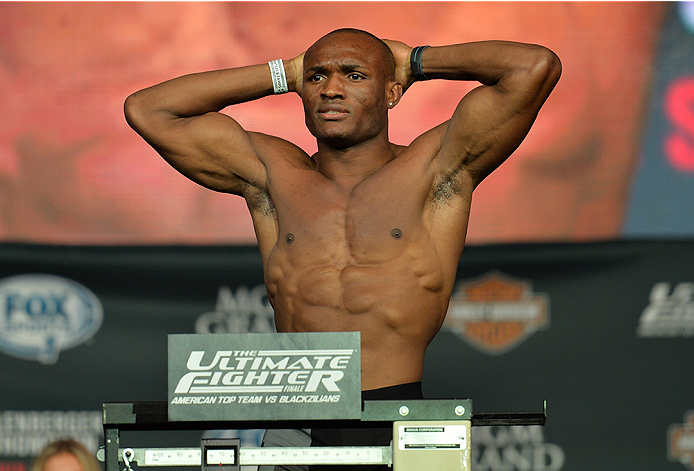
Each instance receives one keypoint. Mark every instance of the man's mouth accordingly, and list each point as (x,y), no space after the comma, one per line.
(332,111)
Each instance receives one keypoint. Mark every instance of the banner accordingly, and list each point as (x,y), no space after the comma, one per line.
(283,376)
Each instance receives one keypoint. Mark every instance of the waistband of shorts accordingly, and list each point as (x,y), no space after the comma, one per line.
(399,391)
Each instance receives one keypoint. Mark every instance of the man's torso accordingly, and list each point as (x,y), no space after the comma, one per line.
(379,257)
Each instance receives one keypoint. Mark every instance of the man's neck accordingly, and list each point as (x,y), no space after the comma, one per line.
(350,166)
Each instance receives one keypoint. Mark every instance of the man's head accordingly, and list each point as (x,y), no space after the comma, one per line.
(349,85)
(386,59)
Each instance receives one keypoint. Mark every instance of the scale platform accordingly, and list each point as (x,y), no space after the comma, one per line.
(427,434)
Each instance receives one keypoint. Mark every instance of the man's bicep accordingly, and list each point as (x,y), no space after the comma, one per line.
(492,120)
(214,151)
(485,129)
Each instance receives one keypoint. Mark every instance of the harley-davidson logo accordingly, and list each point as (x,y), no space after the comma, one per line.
(495,313)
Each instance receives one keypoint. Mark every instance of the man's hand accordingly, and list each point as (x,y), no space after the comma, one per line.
(295,70)
(403,72)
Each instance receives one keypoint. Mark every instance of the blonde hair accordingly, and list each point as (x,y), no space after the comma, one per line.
(75,448)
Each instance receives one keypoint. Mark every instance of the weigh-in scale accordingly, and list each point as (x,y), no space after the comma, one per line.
(210,384)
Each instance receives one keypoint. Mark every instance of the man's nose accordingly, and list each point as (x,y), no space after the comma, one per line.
(333,87)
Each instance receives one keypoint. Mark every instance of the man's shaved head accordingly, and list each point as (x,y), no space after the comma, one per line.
(348,87)
(387,60)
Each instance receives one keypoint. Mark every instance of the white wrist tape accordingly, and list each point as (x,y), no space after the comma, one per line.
(279,78)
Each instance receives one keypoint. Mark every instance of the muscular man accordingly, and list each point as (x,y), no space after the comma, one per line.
(364,235)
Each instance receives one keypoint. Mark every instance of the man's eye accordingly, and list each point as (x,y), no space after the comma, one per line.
(315,78)
(355,76)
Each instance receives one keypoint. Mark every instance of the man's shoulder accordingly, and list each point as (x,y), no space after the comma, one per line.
(275,150)
(435,134)
(427,145)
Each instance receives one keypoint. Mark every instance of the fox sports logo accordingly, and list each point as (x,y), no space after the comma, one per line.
(40,315)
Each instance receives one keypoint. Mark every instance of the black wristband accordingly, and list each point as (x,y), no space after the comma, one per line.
(416,63)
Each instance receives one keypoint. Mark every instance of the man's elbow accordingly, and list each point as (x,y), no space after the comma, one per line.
(133,109)
(145,117)
(139,112)
(545,69)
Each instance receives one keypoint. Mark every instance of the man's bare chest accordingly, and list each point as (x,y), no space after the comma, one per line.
(368,221)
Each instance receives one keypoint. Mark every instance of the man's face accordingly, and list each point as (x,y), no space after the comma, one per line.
(344,90)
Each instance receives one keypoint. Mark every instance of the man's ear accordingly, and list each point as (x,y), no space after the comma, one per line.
(394,94)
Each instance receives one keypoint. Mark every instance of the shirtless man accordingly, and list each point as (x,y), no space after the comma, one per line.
(365,235)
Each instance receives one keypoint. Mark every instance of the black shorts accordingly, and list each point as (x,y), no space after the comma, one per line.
(348,436)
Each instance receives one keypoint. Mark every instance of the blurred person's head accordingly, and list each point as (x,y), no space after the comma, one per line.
(65,455)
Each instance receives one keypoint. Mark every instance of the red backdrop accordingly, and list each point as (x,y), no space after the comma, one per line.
(72,171)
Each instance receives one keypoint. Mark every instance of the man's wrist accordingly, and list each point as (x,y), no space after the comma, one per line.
(279,77)
(416,68)
(293,69)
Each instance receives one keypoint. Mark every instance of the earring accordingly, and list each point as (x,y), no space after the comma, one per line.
(390,104)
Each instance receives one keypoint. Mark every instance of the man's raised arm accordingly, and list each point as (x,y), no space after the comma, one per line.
(492,120)
(180,118)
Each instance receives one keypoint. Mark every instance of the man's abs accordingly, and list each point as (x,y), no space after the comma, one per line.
(398,306)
